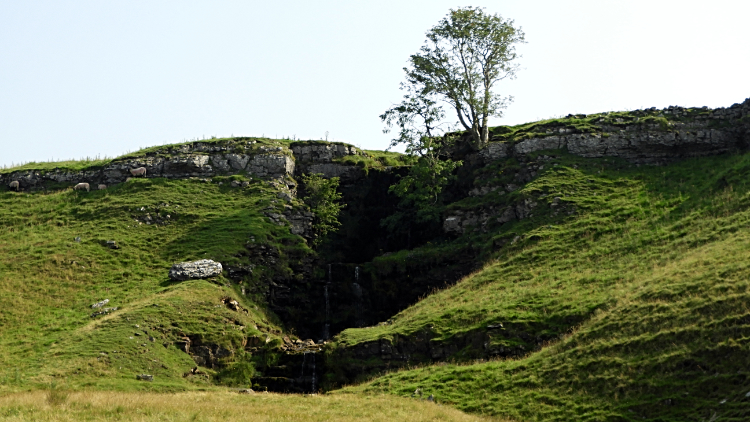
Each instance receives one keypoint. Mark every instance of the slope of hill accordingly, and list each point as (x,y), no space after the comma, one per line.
(635,307)
(616,293)
(567,281)
(57,263)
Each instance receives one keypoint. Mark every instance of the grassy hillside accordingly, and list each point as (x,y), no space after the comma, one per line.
(639,300)
(56,263)
(622,294)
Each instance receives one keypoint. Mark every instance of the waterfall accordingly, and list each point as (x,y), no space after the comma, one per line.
(312,364)
(328,303)
(357,291)
(304,359)
(313,372)
(327,326)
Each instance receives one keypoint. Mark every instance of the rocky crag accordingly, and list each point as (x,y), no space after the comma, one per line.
(642,136)
(204,160)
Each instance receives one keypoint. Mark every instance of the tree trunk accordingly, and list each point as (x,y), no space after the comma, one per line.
(485,137)
(476,134)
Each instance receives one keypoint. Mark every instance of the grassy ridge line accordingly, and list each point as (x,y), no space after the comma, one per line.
(48,280)
(367,158)
(652,266)
(219,406)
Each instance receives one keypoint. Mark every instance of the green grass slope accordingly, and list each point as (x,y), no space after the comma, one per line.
(639,300)
(49,280)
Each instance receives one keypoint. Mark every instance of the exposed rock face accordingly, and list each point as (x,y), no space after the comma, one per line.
(203,268)
(210,355)
(271,165)
(421,346)
(335,170)
(711,132)
(318,158)
(204,160)
(175,162)
(322,153)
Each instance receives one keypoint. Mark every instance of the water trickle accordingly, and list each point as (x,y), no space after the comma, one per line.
(313,372)
(357,291)
(328,304)
(313,377)
(327,325)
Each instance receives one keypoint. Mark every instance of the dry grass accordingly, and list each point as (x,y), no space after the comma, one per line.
(222,406)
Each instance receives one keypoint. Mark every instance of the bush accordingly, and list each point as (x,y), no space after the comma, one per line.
(322,196)
(238,374)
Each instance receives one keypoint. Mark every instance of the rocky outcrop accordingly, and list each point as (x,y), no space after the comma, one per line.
(204,354)
(346,364)
(318,158)
(205,159)
(199,159)
(641,137)
(425,345)
(460,221)
(203,268)
(651,137)
(315,152)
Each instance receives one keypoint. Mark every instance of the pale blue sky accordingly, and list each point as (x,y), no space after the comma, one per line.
(88,78)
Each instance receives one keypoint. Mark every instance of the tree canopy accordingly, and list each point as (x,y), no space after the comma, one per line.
(465,54)
(463,58)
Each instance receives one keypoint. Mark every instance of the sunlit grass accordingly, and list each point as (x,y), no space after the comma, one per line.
(222,406)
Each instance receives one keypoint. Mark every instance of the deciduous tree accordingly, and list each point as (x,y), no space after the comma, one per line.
(463,58)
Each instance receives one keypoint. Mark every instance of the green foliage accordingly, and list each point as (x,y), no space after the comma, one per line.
(238,373)
(388,158)
(322,197)
(424,134)
(464,56)
(419,192)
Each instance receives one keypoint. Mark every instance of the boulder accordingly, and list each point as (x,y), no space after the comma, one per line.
(203,268)
(100,304)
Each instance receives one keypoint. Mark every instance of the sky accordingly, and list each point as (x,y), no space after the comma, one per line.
(99,79)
